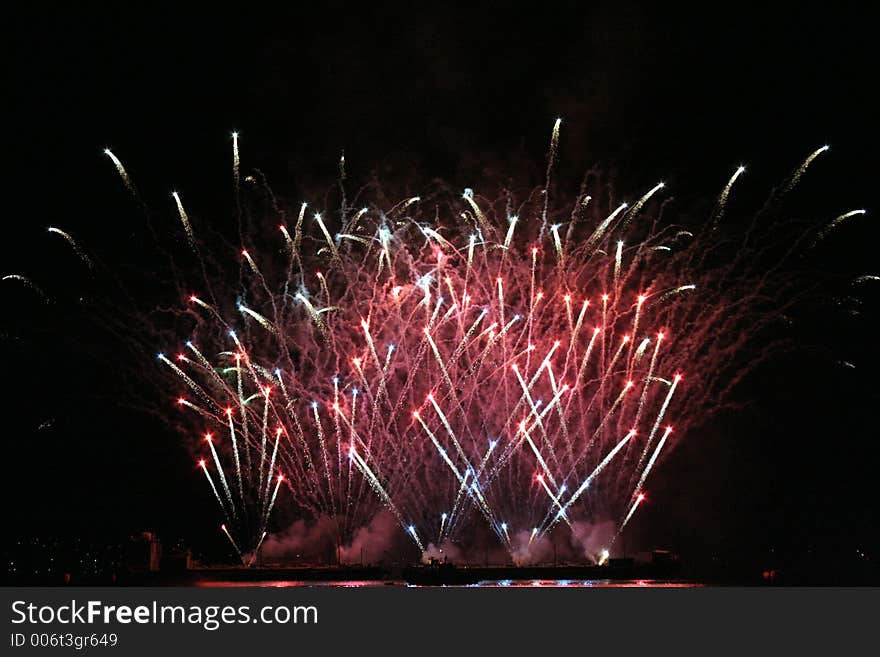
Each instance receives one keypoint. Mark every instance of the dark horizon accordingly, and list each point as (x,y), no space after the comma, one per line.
(465,95)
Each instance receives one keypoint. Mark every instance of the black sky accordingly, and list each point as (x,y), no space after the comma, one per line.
(653,92)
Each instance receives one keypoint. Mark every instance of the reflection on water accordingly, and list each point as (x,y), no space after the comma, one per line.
(512,583)
(284,583)
(590,583)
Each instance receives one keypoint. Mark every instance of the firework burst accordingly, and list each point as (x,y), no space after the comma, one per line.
(448,357)
(506,370)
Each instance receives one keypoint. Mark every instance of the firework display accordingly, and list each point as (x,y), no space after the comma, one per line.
(463,361)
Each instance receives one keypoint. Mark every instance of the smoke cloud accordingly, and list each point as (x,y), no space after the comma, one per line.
(318,542)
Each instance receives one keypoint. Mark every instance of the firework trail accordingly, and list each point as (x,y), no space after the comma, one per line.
(79,252)
(551,159)
(129,185)
(236,165)
(27,283)
(835,223)
(234,544)
(386,347)
(722,198)
(799,172)
(635,505)
(651,462)
(184,219)
(634,210)
(213,486)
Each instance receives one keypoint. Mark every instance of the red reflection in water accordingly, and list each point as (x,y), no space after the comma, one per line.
(543,583)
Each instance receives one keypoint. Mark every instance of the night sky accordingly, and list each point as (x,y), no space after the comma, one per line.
(416,92)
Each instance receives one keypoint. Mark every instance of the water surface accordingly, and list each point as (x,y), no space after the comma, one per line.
(504,583)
